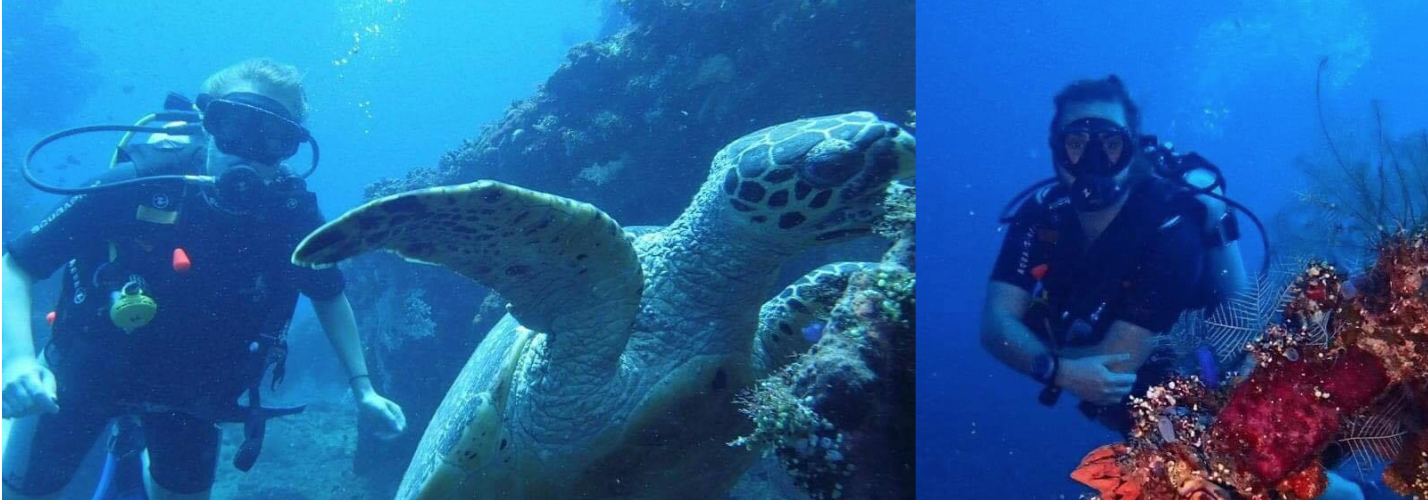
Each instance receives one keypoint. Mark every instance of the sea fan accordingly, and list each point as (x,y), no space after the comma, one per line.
(1230,326)
(1376,435)
(1319,330)
(1242,318)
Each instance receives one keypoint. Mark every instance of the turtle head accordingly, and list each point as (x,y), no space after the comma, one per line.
(816,180)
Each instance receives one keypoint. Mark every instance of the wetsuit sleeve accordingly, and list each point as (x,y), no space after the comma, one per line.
(72,226)
(1022,249)
(317,284)
(1168,279)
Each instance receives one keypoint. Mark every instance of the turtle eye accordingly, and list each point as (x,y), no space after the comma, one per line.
(830,163)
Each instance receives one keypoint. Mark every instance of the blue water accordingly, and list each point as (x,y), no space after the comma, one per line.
(424,75)
(1232,80)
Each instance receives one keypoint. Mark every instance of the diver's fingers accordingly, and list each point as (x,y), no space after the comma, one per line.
(1120,379)
(10,399)
(401,418)
(48,395)
(46,402)
(396,422)
(393,414)
(17,398)
(1110,359)
(40,393)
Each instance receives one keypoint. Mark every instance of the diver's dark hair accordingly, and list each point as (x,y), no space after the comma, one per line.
(1109,89)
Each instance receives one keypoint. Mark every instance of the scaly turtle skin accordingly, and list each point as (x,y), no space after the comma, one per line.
(615,372)
(807,301)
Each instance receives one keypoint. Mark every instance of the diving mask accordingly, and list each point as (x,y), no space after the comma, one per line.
(1094,151)
(1093,146)
(252,126)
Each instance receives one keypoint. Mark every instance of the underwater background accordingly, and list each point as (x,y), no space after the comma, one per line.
(620,103)
(1232,80)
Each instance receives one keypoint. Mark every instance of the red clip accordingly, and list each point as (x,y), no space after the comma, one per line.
(51,318)
(1039,272)
(181,262)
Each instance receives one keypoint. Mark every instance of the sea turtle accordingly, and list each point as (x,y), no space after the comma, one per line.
(615,373)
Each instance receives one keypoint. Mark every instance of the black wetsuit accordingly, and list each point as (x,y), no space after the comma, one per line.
(219,325)
(1144,269)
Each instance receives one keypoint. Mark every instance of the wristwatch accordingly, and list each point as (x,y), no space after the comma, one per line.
(1043,369)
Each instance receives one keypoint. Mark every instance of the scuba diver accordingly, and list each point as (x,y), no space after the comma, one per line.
(177,293)
(1100,261)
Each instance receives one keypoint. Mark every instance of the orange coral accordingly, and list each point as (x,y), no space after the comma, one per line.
(1101,469)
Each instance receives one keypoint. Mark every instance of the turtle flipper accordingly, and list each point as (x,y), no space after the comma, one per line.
(562,264)
(789,323)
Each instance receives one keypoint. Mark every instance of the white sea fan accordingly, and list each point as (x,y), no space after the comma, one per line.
(1242,318)
(1376,435)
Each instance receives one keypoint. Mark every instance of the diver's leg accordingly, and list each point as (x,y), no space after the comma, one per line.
(1340,488)
(158,492)
(44,451)
(182,456)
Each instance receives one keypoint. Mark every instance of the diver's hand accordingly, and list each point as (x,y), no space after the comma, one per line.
(1092,379)
(29,389)
(385,410)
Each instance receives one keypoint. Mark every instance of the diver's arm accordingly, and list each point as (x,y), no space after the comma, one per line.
(1232,278)
(337,321)
(1004,334)
(1090,378)
(1130,339)
(340,325)
(19,343)
(29,387)
(1227,258)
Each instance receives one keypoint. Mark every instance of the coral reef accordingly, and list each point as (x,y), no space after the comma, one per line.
(402,314)
(840,418)
(899,224)
(1341,346)
(673,87)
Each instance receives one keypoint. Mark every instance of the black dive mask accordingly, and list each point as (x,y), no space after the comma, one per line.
(1094,151)
(252,126)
